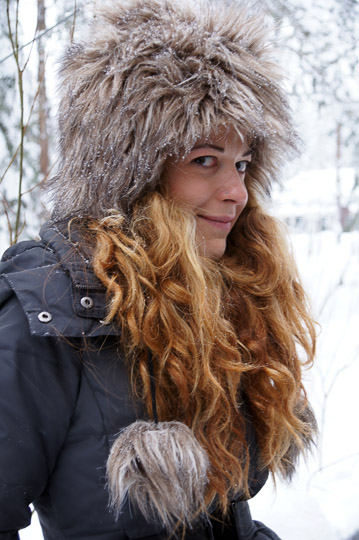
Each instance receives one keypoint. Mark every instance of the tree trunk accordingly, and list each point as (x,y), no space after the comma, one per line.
(42,99)
(343,211)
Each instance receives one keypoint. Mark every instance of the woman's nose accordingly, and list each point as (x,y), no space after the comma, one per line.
(233,188)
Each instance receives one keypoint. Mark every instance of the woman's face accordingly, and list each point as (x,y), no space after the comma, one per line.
(210,181)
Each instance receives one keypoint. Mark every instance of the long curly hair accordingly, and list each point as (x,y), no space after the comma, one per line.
(220,332)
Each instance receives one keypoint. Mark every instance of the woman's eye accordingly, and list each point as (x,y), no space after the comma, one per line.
(242,166)
(206,161)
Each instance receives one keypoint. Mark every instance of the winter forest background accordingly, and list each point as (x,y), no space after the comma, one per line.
(319,200)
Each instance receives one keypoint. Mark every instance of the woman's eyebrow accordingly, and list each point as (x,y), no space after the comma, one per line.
(218,148)
(208,145)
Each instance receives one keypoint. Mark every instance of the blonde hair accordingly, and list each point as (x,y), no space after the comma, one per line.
(220,332)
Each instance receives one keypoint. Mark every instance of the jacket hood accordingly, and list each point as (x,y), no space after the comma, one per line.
(153,77)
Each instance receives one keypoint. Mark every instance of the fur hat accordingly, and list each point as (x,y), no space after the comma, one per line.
(152,78)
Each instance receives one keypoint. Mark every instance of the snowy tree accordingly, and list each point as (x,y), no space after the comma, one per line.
(319,45)
(19,157)
(27,149)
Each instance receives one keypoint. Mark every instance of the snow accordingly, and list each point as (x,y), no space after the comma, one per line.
(33,532)
(322,503)
(318,187)
(309,200)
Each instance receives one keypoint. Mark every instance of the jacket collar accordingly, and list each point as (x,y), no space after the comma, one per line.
(73,253)
(56,285)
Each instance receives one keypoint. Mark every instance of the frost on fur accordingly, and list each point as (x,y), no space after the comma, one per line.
(161,469)
(151,79)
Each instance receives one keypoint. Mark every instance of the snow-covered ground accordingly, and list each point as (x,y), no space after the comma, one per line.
(322,503)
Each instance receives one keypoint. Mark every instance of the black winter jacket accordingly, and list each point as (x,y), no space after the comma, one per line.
(64,395)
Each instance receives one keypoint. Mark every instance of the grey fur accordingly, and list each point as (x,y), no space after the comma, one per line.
(161,469)
(152,78)
(291,458)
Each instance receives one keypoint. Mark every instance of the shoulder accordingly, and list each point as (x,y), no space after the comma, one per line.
(55,287)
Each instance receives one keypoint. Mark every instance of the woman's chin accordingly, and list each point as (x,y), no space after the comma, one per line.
(214,248)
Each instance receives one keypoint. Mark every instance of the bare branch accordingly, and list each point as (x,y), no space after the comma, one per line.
(38,36)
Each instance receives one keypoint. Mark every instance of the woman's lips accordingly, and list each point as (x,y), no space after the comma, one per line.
(220,222)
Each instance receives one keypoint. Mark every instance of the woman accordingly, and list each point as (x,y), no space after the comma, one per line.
(150,337)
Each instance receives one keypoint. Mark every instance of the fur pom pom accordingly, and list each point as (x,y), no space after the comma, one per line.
(162,469)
